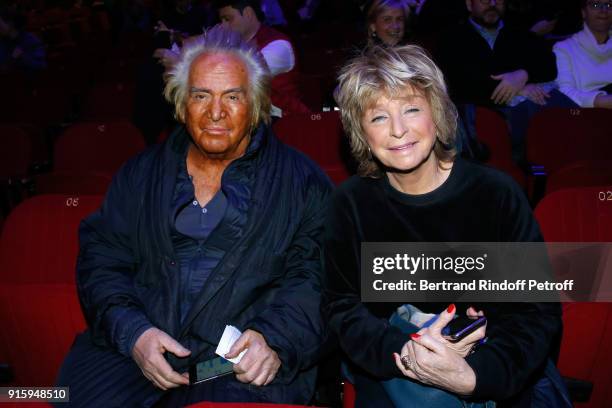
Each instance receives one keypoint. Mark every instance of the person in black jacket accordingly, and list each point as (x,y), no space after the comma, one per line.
(412,187)
(220,225)
(509,69)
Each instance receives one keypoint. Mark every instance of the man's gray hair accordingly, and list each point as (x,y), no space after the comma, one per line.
(220,39)
(388,71)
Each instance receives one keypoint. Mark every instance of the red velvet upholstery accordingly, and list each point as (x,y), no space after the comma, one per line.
(348,397)
(321,137)
(581,174)
(97,146)
(557,137)
(63,182)
(39,322)
(577,215)
(39,306)
(39,242)
(492,130)
(110,101)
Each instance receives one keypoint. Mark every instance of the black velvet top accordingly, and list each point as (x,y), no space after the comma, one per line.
(475,203)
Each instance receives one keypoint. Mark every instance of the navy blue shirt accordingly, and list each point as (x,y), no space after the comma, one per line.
(193,225)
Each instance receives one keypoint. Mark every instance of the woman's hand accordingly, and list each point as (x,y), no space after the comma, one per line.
(430,362)
(463,347)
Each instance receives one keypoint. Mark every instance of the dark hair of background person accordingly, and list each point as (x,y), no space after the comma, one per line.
(240,5)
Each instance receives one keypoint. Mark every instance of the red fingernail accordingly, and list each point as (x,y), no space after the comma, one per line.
(450,308)
(415,336)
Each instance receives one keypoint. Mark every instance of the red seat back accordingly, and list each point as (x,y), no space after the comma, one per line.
(493,132)
(39,306)
(72,183)
(557,137)
(583,215)
(581,174)
(39,322)
(97,147)
(39,242)
(110,101)
(321,137)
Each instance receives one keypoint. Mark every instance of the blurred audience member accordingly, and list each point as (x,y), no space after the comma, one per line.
(491,64)
(183,18)
(19,49)
(584,61)
(387,21)
(273,12)
(245,17)
(539,17)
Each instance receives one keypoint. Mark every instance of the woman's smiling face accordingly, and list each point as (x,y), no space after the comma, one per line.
(400,130)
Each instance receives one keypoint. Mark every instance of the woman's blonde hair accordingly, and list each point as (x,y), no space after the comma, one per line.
(389,71)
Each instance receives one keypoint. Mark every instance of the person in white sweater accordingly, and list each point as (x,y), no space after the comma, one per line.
(584,61)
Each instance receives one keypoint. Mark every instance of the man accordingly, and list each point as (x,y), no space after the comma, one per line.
(488,63)
(218,226)
(245,17)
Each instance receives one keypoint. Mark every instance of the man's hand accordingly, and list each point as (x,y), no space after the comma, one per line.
(511,83)
(535,93)
(603,101)
(148,352)
(259,364)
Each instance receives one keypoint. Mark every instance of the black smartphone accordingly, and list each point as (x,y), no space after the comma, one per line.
(462,326)
(209,369)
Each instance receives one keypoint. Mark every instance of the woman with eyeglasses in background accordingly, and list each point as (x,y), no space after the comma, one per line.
(584,61)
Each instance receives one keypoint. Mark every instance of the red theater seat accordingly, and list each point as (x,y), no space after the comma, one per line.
(97,147)
(39,306)
(39,240)
(581,174)
(62,182)
(557,137)
(492,131)
(348,395)
(581,215)
(110,101)
(321,137)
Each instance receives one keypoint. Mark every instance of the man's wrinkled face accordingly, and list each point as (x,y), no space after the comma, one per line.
(218,113)
(486,13)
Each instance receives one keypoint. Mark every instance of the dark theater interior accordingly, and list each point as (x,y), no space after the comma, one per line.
(86,87)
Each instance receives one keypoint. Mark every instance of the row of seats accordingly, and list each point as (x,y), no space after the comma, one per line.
(40,310)
(566,147)
(570,146)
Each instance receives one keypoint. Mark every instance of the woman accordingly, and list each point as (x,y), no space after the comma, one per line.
(412,187)
(386,20)
(584,61)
